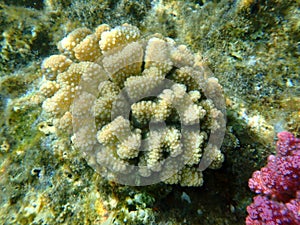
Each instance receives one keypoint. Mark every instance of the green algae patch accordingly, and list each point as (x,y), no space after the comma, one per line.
(24,36)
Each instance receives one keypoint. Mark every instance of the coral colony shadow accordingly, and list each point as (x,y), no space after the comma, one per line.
(142,109)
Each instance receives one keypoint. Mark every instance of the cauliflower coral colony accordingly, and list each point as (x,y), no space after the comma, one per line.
(140,109)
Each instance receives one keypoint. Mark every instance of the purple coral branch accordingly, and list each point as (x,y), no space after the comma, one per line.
(278,184)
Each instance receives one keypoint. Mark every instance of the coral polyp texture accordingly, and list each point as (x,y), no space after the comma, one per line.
(279,185)
(141,109)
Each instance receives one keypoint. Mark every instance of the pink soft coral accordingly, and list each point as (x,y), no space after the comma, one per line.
(279,185)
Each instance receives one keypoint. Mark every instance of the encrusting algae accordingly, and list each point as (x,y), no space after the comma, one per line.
(143,107)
